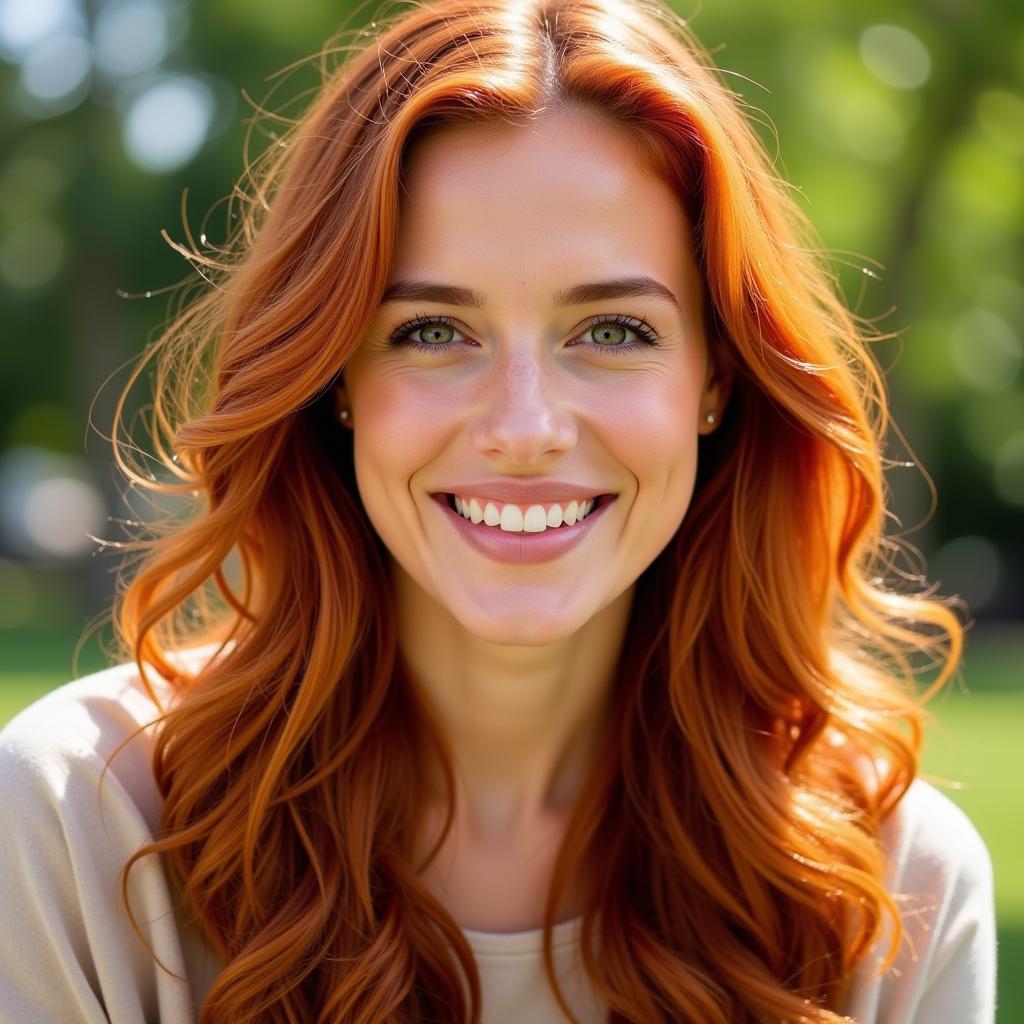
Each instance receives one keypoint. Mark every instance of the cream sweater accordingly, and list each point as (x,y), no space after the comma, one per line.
(68,954)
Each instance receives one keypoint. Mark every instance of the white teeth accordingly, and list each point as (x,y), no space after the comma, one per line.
(512,518)
(535,520)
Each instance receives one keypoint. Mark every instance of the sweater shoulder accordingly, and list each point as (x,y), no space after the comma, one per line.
(71,733)
(932,842)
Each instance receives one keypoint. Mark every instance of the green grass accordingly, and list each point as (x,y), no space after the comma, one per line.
(19,689)
(976,745)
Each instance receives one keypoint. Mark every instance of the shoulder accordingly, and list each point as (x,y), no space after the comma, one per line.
(932,843)
(70,951)
(927,837)
(70,732)
(69,735)
(939,873)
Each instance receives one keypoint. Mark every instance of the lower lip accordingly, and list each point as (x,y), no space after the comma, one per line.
(522,548)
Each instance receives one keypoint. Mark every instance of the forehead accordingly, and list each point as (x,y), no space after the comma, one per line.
(564,196)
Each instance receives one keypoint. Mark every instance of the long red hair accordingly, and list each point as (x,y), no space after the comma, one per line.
(768,717)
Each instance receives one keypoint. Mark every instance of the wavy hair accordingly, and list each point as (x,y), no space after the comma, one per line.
(769,713)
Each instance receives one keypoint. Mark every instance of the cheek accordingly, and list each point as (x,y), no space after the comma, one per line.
(650,420)
(401,419)
(650,429)
(393,438)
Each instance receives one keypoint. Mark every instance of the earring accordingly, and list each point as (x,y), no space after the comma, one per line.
(711,417)
(343,414)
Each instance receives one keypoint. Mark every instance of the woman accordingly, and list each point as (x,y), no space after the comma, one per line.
(556,676)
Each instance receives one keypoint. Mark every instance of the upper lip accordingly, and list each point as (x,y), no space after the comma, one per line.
(522,491)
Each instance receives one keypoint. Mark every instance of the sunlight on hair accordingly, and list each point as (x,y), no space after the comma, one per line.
(770,712)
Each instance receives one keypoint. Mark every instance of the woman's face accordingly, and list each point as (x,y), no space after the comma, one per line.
(531,385)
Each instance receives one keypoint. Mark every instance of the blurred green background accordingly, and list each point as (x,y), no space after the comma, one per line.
(900,126)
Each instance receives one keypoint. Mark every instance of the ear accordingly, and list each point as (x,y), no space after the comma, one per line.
(339,401)
(718,382)
(339,395)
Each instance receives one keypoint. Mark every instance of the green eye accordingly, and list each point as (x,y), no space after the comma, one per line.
(437,334)
(611,334)
(614,334)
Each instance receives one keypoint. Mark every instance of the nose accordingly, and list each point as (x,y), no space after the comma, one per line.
(523,418)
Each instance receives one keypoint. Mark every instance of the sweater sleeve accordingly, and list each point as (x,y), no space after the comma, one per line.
(47,972)
(942,880)
(68,953)
(960,984)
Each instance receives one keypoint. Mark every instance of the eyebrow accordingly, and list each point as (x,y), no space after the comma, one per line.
(578,295)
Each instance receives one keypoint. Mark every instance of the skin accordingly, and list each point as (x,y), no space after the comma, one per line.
(518,660)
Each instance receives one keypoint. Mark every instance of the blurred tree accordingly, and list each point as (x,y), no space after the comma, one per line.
(899,125)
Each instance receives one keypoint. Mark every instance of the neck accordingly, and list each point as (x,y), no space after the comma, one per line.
(523,723)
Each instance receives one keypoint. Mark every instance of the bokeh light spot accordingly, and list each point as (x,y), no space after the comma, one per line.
(48,504)
(969,566)
(130,37)
(59,512)
(985,349)
(166,124)
(55,75)
(24,23)
(895,56)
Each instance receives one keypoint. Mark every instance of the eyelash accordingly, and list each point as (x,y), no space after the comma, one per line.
(397,338)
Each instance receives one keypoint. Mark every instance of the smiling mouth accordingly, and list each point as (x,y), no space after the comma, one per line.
(448,498)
